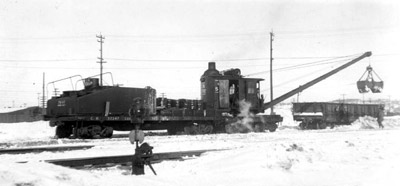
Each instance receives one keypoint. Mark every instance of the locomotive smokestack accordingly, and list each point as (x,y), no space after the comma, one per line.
(211,65)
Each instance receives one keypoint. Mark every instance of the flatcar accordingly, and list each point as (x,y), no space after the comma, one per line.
(319,115)
(96,111)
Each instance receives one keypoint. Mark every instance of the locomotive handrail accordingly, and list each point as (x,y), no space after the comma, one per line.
(112,79)
(47,91)
(313,82)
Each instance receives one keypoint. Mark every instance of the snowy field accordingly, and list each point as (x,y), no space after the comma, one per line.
(356,155)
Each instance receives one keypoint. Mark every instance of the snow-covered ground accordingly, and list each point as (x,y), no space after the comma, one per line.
(360,154)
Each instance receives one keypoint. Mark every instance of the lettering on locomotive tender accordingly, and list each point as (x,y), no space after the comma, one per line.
(61,103)
(113,118)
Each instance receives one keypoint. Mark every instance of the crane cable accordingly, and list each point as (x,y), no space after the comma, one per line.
(308,74)
(304,65)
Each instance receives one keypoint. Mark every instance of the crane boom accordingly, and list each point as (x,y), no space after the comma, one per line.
(313,82)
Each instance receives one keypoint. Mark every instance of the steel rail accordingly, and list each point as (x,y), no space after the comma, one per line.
(43,149)
(124,159)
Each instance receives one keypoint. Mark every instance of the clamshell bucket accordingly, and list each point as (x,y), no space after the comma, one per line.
(377,86)
(362,86)
(369,83)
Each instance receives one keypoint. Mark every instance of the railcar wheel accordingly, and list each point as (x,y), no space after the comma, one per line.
(63,131)
(259,127)
(206,129)
(303,125)
(172,131)
(229,129)
(199,129)
(322,125)
(273,127)
(107,132)
(237,128)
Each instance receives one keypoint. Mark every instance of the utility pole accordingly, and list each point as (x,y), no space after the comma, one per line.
(100,40)
(44,95)
(163,95)
(38,99)
(270,72)
(343,97)
(56,92)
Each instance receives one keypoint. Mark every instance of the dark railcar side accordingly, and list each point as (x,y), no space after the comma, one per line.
(315,115)
(98,110)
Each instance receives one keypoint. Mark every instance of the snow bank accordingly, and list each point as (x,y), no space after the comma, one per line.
(307,158)
(39,173)
(368,122)
(288,123)
(391,122)
(347,155)
(6,110)
(26,131)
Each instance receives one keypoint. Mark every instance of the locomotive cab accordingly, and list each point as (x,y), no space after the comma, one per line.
(225,90)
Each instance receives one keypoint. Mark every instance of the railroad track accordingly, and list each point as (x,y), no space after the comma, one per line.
(125,159)
(43,149)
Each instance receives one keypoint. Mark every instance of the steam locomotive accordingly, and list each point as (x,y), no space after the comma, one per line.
(229,103)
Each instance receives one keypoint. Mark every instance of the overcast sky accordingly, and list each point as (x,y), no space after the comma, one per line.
(167,44)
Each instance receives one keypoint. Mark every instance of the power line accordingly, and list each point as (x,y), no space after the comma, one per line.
(216,35)
(331,33)
(304,65)
(179,61)
(43,38)
(299,77)
(169,67)
(44,60)
(182,36)
(188,60)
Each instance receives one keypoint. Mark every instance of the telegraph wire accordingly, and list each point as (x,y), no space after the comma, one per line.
(116,68)
(44,60)
(291,81)
(304,65)
(44,38)
(201,36)
(167,67)
(185,60)
(215,35)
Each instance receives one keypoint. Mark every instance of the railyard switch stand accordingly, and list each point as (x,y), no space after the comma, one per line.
(143,153)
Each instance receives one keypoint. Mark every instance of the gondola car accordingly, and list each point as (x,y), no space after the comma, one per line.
(319,115)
